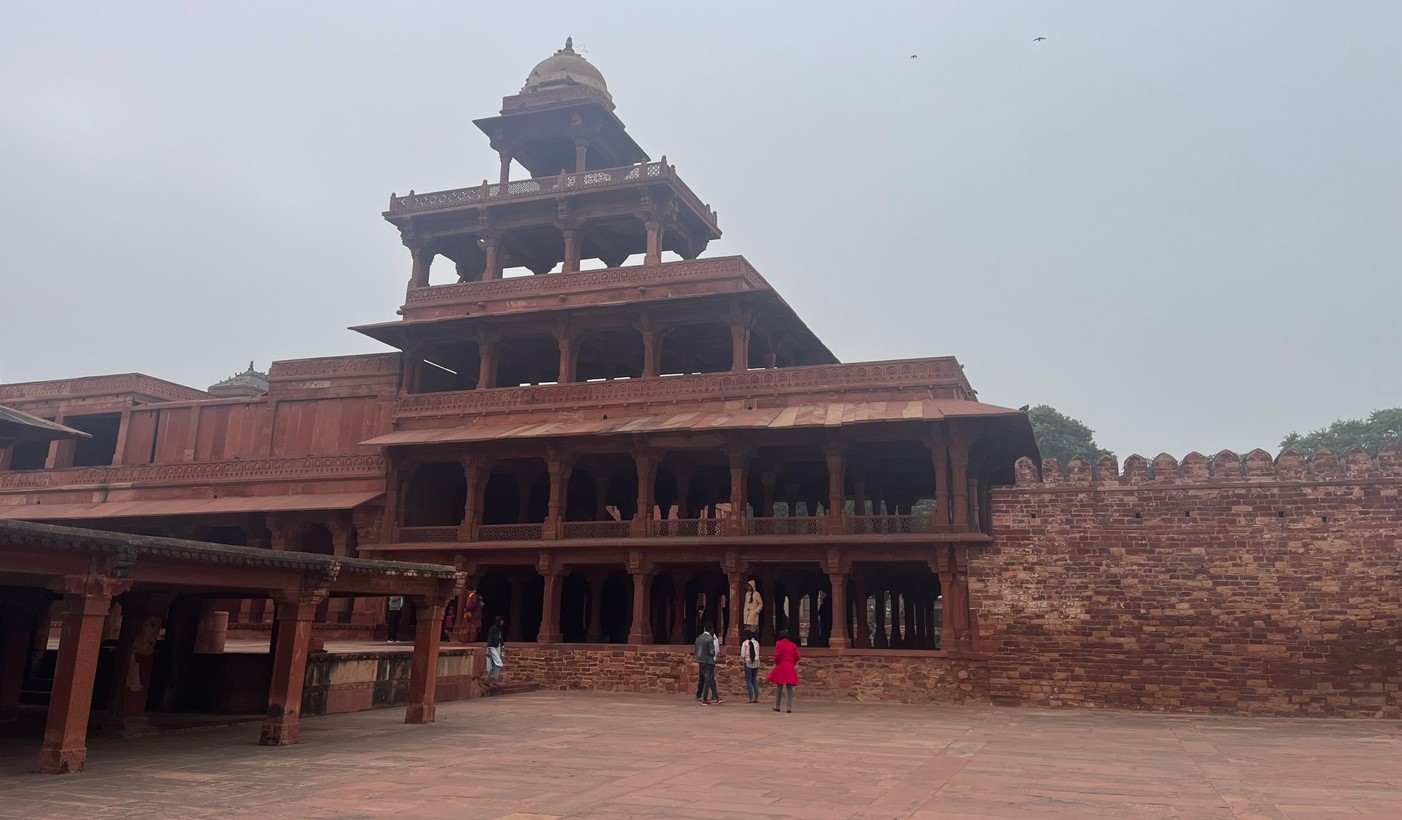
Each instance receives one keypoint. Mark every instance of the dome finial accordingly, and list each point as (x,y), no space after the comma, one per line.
(569,45)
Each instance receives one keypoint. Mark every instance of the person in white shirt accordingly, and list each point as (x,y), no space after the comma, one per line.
(749,653)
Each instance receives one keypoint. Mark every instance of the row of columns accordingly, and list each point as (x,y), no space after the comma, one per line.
(572,236)
(952,513)
(89,600)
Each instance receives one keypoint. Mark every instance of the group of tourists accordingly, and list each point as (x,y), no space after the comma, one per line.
(783,675)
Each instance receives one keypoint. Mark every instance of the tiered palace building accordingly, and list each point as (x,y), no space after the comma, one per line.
(610,450)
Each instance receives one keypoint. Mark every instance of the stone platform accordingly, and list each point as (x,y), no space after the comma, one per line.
(546,755)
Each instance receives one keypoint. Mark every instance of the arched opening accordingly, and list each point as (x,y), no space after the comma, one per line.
(317,539)
(436,495)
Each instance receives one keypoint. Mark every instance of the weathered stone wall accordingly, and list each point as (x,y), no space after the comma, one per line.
(1251,585)
(867,675)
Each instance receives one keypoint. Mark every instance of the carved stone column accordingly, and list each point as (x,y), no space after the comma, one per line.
(88,600)
(476,470)
(837,501)
(423,261)
(571,263)
(646,462)
(654,242)
(739,345)
(735,456)
(560,469)
(486,362)
(492,268)
(505,156)
(423,668)
(640,630)
(581,154)
(652,349)
(550,601)
(837,577)
(735,570)
(568,360)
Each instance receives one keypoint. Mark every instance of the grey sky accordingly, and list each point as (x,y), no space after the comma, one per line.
(1179,222)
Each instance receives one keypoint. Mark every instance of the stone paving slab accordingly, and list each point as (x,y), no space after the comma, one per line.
(548,755)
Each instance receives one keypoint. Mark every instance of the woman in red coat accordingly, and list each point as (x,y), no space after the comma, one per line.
(784,676)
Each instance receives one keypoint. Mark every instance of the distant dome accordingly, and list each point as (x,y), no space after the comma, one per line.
(565,68)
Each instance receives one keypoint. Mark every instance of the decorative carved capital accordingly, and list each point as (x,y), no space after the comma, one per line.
(96,591)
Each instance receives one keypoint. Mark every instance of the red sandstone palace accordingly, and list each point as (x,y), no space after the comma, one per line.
(609,449)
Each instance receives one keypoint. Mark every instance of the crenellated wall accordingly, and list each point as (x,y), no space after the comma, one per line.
(1232,584)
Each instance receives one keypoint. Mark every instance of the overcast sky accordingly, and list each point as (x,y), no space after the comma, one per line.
(1178,222)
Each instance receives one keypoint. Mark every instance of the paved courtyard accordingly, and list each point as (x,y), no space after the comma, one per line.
(544,755)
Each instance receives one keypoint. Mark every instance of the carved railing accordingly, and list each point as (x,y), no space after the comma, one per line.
(598,529)
(888,524)
(550,186)
(633,275)
(791,525)
(510,532)
(688,527)
(426,535)
(918,373)
(252,469)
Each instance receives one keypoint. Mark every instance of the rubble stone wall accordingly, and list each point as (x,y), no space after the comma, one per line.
(830,674)
(1236,585)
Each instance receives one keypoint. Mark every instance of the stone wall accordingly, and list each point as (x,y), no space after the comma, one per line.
(866,675)
(1255,585)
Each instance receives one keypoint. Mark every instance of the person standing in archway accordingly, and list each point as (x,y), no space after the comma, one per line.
(754,607)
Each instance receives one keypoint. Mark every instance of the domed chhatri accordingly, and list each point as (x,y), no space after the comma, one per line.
(565,68)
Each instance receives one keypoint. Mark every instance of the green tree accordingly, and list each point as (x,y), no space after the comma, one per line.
(1382,427)
(1061,437)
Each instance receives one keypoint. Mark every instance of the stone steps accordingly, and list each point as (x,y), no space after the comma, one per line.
(519,688)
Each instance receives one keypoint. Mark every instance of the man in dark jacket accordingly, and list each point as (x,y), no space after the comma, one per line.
(706,646)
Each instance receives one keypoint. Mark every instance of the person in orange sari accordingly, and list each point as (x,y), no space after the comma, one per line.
(470,620)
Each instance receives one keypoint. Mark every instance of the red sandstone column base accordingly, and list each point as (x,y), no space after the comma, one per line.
(420,713)
(283,731)
(62,761)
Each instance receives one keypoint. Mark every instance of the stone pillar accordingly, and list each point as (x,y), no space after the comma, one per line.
(566,372)
(474,471)
(423,261)
(766,480)
(131,672)
(486,362)
(734,637)
(550,602)
(283,725)
(505,166)
(654,242)
(65,747)
(837,577)
(423,669)
(492,269)
(581,154)
(837,489)
(559,468)
(739,345)
(882,641)
(959,458)
(19,614)
(640,630)
(646,463)
(652,350)
(7,450)
(735,455)
(572,243)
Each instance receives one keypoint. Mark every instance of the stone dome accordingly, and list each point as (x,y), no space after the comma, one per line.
(565,68)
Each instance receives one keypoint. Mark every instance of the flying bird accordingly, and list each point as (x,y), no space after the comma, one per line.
(914,56)
(1038,39)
